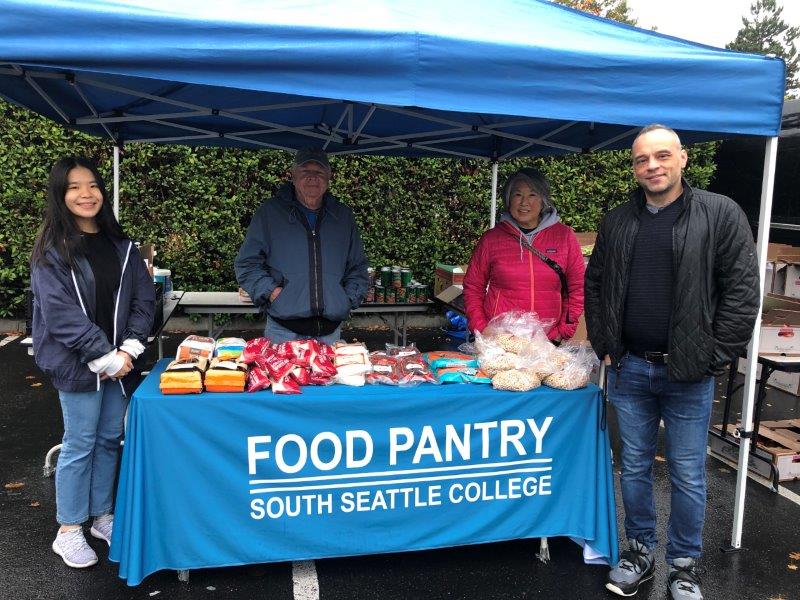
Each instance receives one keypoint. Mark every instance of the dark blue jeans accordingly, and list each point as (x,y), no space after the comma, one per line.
(642,396)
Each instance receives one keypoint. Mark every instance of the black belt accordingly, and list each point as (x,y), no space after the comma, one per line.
(657,358)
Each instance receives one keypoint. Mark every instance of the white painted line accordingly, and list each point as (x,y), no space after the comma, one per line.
(304,580)
(782,491)
(8,339)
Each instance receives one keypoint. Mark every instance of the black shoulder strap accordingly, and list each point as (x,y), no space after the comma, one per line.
(553,265)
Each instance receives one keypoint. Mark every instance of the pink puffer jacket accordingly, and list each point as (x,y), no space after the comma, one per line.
(519,280)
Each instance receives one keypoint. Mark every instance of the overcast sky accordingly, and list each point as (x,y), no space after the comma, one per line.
(712,22)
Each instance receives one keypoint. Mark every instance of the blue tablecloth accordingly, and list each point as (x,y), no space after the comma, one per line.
(215,480)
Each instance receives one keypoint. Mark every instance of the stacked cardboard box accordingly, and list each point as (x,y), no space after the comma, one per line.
(447,275)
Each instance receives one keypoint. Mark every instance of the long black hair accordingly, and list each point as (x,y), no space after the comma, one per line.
(59,228)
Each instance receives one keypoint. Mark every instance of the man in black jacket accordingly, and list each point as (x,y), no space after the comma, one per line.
(671,298)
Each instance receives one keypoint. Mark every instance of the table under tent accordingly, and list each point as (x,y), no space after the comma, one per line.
(405,78)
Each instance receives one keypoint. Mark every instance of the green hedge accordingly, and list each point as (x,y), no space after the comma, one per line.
(195,203)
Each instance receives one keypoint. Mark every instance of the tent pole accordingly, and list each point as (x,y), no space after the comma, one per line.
(748,398)
(494,194)
(116,182)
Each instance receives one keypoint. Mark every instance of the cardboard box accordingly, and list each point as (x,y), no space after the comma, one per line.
(447,275)
(580,332)
(791,286)
(585,238)
(148,252)
(780,326)
(788,382)
(774,251)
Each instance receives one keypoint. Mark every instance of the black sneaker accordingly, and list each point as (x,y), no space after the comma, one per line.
(684,580)
(634,568)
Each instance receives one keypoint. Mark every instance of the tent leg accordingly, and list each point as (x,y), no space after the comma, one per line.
(494,194)
(748,398)
(116,182)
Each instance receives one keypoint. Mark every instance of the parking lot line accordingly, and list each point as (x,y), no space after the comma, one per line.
(304,580)
(8,339)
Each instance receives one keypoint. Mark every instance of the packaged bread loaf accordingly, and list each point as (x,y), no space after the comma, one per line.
(225,376)
(183,376)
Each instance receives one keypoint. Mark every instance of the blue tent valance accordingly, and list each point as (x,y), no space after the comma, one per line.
(412,77)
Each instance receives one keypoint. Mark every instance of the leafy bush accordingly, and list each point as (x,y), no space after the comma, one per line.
(195,204)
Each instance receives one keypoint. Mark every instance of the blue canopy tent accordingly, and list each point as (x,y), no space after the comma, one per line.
(457,78)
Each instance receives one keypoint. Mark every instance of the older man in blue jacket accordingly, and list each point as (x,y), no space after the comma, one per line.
(302,259)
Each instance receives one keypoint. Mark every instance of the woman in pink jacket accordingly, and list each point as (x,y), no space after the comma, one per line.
(529,261)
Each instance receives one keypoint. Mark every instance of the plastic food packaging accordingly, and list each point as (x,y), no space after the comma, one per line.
(257,379)
(352,363)
(441,359)
(194,346)
(229,348)
(384,369)
(576,371)
(516,380)
(225,376)
(285,385)
(492,365)
(321,364)
(523,324)
(255,348)
(413,370)
(276,365)
(461,374)
(301,375)
(393,350)
(183,376)
(455,367)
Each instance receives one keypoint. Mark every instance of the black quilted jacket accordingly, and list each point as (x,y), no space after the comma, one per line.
(715,295)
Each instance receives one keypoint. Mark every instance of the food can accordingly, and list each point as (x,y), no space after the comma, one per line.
(370,295)
(422,293)
(386,276)
(411,294)
(397,278)
(405,277)
(390,295)
(379,296)
(401,295)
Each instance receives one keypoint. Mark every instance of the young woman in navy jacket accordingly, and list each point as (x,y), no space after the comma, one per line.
(92,312)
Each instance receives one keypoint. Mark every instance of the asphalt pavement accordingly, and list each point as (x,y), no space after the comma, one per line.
(30,423)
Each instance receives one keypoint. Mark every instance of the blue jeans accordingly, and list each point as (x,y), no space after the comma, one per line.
(642,396)
(279,334)
(87,464)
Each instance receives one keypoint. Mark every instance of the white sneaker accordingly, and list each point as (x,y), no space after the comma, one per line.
(71,546)
(102,527)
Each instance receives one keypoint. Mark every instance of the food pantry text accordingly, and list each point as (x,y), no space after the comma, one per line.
(474,462)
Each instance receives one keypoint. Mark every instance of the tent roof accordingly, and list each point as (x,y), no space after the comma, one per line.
(407,77)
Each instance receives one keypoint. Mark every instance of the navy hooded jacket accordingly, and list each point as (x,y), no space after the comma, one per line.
(323,271)
(65,336)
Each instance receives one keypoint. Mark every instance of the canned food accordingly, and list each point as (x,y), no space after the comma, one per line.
(422,293)
(401,295)
(397,278)
(386,276)
(411,294)
(380,294)
(370,295)
(390,295)
(405,277)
